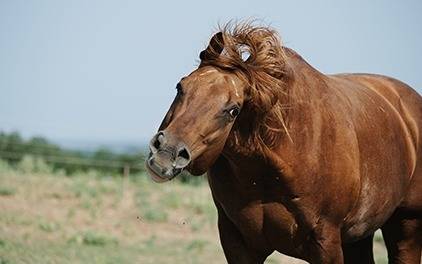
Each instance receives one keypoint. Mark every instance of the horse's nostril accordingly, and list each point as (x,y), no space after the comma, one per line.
(182,159)
(183,153)
(151,162)
(157,141)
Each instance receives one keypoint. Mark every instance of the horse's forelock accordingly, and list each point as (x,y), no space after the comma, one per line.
(264,69)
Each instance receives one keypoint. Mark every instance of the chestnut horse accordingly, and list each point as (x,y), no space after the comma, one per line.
(300,162)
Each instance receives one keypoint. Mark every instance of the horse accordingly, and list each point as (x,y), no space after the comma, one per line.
(299,162)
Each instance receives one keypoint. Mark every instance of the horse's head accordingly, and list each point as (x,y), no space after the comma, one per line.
(210,99)
(195,128)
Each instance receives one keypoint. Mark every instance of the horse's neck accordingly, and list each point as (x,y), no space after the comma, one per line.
(305,88)
(306,92)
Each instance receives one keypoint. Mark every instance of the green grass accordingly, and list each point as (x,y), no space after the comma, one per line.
(86,218)
(48,226)
(63,252)
(93,239)
(155,215)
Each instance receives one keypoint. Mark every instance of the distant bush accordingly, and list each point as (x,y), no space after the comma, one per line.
(4,166)
(31,164)
(15,150)
(185,177)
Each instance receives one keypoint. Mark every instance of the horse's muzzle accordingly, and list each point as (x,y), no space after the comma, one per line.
(167,157)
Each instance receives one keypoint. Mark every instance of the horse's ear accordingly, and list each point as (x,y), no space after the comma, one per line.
(214,49)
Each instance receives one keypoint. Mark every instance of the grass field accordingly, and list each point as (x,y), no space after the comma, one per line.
(47,218)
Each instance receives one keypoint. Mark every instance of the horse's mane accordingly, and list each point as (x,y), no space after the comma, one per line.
(265,72)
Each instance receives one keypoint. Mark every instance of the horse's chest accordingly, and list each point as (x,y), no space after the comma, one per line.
(249,220)
(267,225)
(256,212)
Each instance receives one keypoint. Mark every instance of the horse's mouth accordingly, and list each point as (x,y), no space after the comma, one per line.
(157,177)
(154,176)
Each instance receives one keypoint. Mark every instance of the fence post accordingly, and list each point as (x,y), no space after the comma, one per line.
(126,170)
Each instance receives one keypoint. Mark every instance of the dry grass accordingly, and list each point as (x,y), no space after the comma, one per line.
(92,219)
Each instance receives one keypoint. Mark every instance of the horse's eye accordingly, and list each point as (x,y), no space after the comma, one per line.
(234,112)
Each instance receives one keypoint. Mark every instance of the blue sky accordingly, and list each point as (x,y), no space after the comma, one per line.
(106,70)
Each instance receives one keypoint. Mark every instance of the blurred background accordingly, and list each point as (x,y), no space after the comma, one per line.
(85,84)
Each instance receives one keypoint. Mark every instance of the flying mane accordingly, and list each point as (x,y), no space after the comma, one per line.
(256,55)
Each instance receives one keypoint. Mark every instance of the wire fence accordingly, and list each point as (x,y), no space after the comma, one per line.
(66,159)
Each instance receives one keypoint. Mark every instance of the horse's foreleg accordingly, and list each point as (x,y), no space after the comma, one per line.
(359,252)
(234,247)
(403,238)
(325,245)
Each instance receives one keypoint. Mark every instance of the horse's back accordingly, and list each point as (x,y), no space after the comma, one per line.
(407,103)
